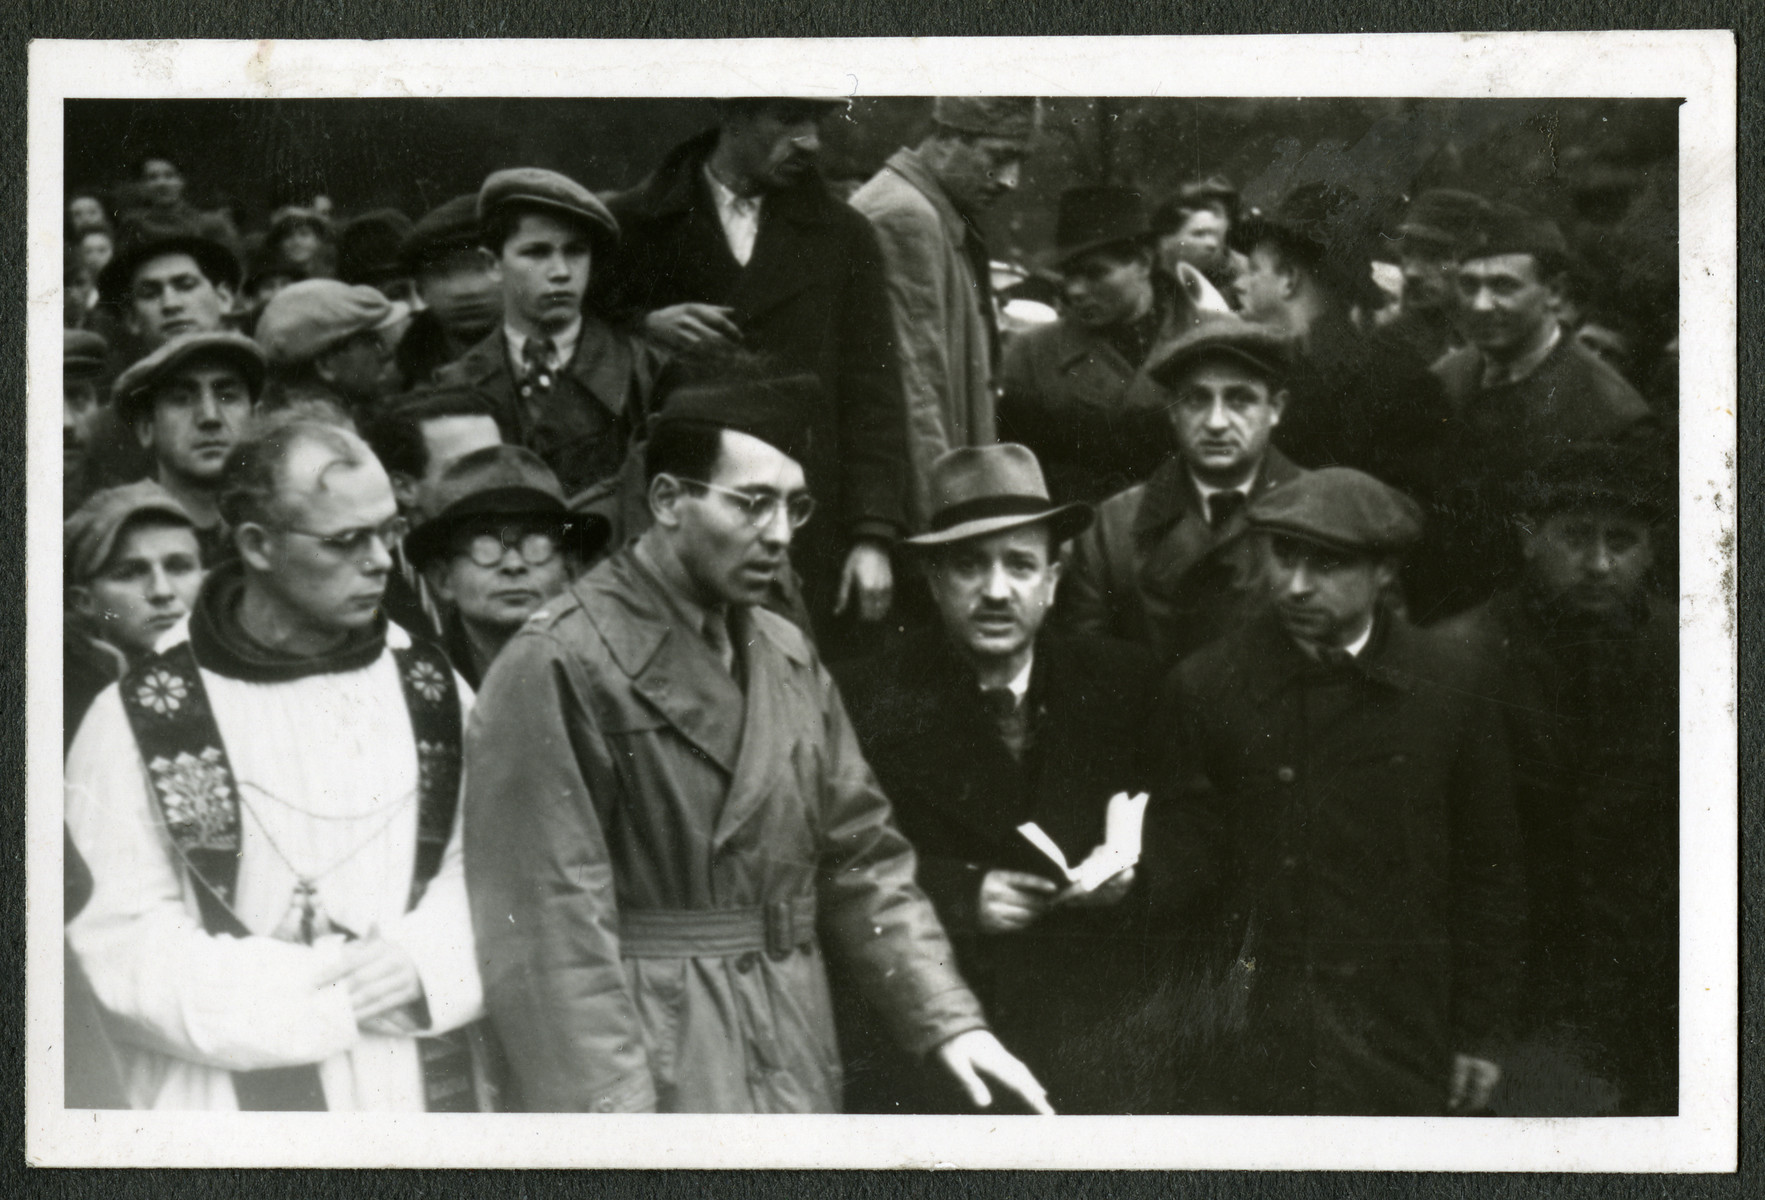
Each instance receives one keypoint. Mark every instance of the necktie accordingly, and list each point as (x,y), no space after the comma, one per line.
(1221,506)
(536,368)
(1009,718)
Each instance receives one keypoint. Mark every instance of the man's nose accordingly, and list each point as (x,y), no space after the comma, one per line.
(1006,177)
(1216,414)
(1483,300)
(513,562)
(379,556)
(1299,581)
(1599,558)
(996,585)
(159,586)
(776,530)
(208,408)
(807,139)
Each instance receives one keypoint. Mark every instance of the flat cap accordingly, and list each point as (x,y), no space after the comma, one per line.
(89,535)
(452,226)
(303,319)
(148,236)
(136,384)
(1342,509)
(1262,348)
(1444,218)
(498,481)
(1093,218)
(1634,479)
(1510,229)
(83,354)
(777,410)
(989,116)
(548,190)
(368,245)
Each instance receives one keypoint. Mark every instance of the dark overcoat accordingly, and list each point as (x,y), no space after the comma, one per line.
(630,812)
(812,296)
(960,796)
(1351,833)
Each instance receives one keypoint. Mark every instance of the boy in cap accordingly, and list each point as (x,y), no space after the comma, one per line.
(668,819)
(566,384)
(982,723)
(1065,391)
(1334,805)
(497,543)
(736,239)
(188,403)
(326,340)
(926,204)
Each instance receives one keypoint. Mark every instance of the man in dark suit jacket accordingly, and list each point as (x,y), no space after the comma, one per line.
(982,725)
(565,384)
(734,239)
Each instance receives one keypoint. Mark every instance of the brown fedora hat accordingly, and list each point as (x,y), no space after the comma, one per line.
(982,490)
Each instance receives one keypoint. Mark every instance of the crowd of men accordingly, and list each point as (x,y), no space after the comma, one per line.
(684,649)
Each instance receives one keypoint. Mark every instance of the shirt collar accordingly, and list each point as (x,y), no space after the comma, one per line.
(563,344)
(688,610)
(1020,683)
(1205,490)
(727,200)
(1496,374)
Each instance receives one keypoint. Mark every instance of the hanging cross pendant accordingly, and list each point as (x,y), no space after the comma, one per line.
(305,918)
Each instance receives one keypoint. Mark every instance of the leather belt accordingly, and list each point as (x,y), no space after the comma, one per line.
(779,928)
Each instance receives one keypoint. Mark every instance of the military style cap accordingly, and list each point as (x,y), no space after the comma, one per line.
(304,319)
(1092,218)
(149,236)
(1510,229)
(1342,509)
(453,226)
(982,490)
(368,246)
(989,116)
(1263,349)
(548,190)
(498,481)
(1634,479)
(135,385)
(777,410)
(82,354)
(89,535)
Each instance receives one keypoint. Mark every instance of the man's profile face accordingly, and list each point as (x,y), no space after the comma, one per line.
(323,560)
(79,405)
(162,182)
(776,145)
(994,592)
(170,295)
(1323,595)
(1107,287)
(977,172)
(1223,414)
(197,416)
(1590,561)
(730,558)
(1505,301)
(461,289)
(1429,282)
(544,268)
(1263,287)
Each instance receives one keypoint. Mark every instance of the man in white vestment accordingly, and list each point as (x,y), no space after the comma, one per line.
(269,809)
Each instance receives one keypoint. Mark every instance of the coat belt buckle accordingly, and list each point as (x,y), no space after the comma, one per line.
(781,937)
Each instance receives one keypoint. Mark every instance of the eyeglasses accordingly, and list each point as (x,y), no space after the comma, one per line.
(486,549)
(761,508)
(352,542)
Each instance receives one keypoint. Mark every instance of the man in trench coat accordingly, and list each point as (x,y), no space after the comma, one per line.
(668,817)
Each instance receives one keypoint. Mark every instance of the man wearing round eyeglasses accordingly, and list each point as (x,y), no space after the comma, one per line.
(669,820)
(269,805)
(500,544)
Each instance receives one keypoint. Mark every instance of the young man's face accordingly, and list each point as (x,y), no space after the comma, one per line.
(1324,596)
(327,558)
(461,289)
(1594,562)
(1264,287)
(83,212)
(1505,302)
(1200,242)
(162,182)
(170,295)
(1107,287)
(300,244)
(96,248)
(197,416)
(1223,414)
(994,592)
(79,405)
(977,172)
(730,557)
(776,145)
(147,586)
(543,270)
(501,570)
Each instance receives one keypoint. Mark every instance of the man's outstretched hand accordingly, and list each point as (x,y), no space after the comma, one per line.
(977,1052)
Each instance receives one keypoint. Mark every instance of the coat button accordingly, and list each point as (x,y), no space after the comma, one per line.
(1286,775)
(747,962)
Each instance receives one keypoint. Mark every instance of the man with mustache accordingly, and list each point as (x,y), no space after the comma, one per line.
(188,403)
(566,385)
(735,240)
(1333,811)
(926,205)
(1168,564)
(669,821)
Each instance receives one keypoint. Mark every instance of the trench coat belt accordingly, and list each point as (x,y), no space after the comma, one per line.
(779,928)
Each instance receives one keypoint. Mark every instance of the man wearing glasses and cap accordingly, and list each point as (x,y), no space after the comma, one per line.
(669,821)
(269,806)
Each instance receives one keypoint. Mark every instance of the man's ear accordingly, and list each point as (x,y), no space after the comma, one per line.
(1277,405)
(323,368)
(226,295)
(492,263)
(664,493)
(143,423)
(1385,572)
(253,541)
(441,581)
(81,601)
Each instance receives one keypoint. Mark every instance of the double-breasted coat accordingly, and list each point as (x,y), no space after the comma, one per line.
(631,814)
(960,795)
(1350,832)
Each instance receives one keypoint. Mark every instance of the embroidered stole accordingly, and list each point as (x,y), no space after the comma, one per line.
(198,798)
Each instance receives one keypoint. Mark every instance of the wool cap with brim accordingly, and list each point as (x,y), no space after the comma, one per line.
(305,319)
(89,535)
(778,411)
(1017,117)
(83,354)
(1509,229)
(1262,348)
(1098,218)
(1442,220)
(368,245)
(453,226)
(135,385)
(1598,475)
(151,237)
(498,482)
(977,491)
(535,187)
(1341,509)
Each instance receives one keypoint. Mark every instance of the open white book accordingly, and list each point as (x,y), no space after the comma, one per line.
(1119,850)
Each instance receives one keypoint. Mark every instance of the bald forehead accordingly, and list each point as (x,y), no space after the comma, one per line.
(315,464)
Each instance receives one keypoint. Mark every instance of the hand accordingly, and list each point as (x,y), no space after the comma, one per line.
(968,1055)
(381,977)
(869,576)
(1473,1083)
(686,326)
(1110,891)
(1012,900)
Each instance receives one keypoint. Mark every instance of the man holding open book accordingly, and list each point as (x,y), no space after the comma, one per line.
(1009,756)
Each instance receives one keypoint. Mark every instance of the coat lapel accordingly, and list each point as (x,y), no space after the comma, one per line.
(774,713)
(790,251)
(602,365)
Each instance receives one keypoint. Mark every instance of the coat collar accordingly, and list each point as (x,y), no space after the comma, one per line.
(678,186)
(910,166)
(601,364)
(1170,496)
(1393,659)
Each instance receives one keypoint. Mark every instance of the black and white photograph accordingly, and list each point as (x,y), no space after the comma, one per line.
(1135,604)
